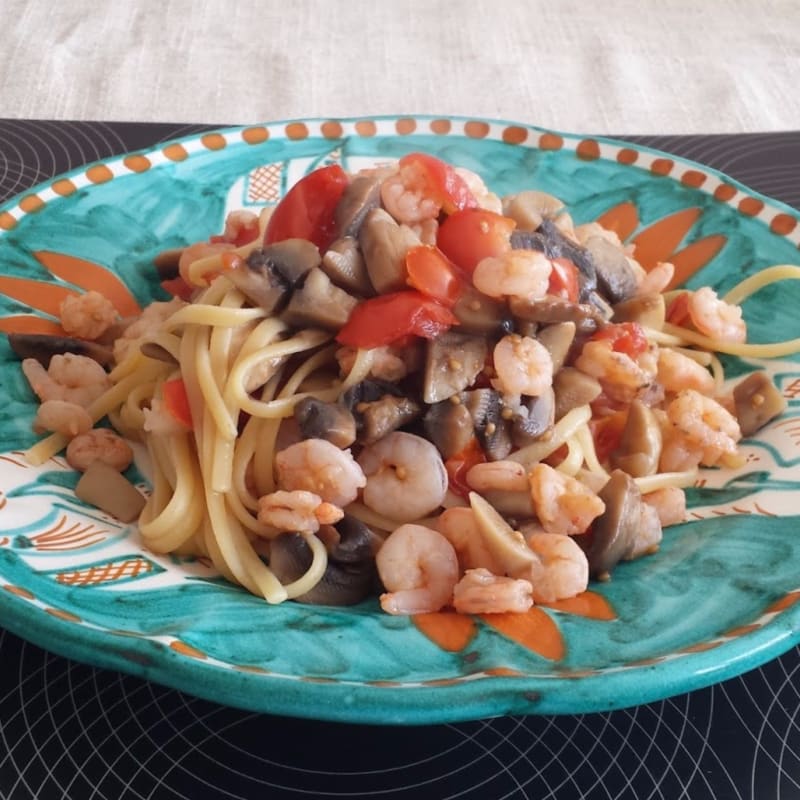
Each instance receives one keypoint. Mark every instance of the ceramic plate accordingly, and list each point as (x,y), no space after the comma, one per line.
(718,599)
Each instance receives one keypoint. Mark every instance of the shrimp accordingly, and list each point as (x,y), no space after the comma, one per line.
(623,377)
(406,477)
(481,592)
(677,371)
(716,318)
(459,526)
(299,511)
(87,316)
(60,416)
(485,199)
(76,379)
(562,503)
(99,444)
(705,424)
(419,568)
(149,322)
(504,476)
(669,503)
(523,366)
(524,274)
(648,533)
(406,196)
(562,570)
(319,466)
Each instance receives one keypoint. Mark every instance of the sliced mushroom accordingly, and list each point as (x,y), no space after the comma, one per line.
(639,448)
(558,339)
(573,388)
(362,194)
(757,401)
(344,265)
(646,309)
(527,240)
(449,426)
(614,532)
(529,208)
(157,352)
(384,245)
(331,421)
(491,425)
(43,347)
(319,304)
(452,362)
(269,274)
(381,417)
(503,542)
(616,280)
(551,309)
(477,313)
(526,428)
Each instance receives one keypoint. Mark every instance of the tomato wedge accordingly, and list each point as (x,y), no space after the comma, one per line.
(564,280)
(307,210)
(385,319)
(430,271)
(625,337)
(468,236)
(176,401)
(678,310)
(459,465)
(439,181)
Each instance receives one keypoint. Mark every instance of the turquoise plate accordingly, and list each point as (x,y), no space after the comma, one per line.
(718,599)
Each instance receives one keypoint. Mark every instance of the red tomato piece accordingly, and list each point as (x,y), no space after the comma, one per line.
(626,337)
(467,237)
(607,433)
(459,465)
(307,210)
(439,181)
(178,287)
(678,310)
(385,319)
(429,271)
(176,401)
(564,280)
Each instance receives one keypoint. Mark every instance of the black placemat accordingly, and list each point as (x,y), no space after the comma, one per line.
(69,730)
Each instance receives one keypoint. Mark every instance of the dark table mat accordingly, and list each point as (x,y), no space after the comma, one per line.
(69,730)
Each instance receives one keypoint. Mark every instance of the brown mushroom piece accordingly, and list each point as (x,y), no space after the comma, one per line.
(491,425)
(362,194)
(573,388)
(319,304)
(449,426)
(614,532)
(648,310)
(43,347)
(479,314)
(269,274)
(330,421)
(536,420)
(387,414)
(452,362)
(639,448)
(384,245)
(756,401)
(616,280)
(344,265)
(557,339)
(557,245)
(551,309)
(531,207)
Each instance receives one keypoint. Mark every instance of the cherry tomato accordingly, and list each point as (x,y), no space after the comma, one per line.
(467,237)
(178,287)
(388,317)
(307,210)
(459,465)
(176,401)
(678,310)
(626,337)
(607,433)
(439,181)
(564,280)
(429,271)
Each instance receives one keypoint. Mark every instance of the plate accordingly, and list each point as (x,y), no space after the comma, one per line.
(718,599)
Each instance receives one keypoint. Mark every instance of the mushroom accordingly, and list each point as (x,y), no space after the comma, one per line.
(319,304)
(529,208)
(503,542)
(573,388)
(381,417)
(344,265)
(449,426)
(452,362)
(384,245)
(362,194)
(269,274)
(556,245)
(648,310)
(477,313)
(537,422)
(616,280)
(330,421)
(557,339)
(551,309)
(614,532)
(639,448)
(756,401)
(43,347)
(491,425)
